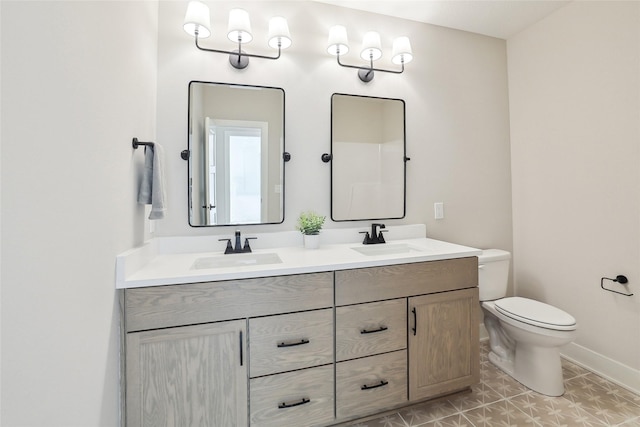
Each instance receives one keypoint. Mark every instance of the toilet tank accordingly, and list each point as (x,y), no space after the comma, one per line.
(493,274)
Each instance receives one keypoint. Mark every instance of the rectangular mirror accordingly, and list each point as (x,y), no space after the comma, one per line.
(236,148)
(368,153)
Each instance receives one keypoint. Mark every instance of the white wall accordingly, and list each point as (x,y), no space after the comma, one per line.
(574,85)
(456,102)
(75,91)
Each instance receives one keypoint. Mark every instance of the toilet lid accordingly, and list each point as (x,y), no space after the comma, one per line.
(536,313)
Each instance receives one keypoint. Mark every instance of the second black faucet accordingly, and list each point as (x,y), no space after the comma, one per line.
(375,237)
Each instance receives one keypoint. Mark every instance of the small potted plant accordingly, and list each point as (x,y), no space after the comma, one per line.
(310,224)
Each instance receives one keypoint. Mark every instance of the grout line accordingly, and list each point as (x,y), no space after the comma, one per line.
(467,418)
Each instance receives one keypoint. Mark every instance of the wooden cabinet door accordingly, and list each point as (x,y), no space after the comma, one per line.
(188,376)
(444,353)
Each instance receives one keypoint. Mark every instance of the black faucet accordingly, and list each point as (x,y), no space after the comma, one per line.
(239,249)
(375,237)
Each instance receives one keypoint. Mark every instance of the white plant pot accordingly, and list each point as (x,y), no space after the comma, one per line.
(311,241)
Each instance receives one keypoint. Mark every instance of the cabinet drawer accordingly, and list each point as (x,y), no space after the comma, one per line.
(290,341)
(404,280)
(300,398)
(371,384)
(368,329)
(177,305)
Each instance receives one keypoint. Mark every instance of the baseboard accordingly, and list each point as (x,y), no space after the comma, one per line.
(623,375)
(616,372)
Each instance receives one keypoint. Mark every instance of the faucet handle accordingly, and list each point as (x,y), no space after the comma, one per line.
(381,237)
(229,248)
(367,238)
(246,247)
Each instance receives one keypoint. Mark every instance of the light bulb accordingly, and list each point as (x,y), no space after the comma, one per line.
(197,19)
(239,29)
(338,42)
(279,33)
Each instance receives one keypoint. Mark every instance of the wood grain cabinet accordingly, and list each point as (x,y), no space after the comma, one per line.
(291,341)
(372,328)
(189,376)
(298,398)
(371,357)
(186,351)
(438,302)
(301,350)
(292,369)
(371,384)
(443,343)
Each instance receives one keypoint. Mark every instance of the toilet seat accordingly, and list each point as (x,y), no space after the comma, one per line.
(535,313)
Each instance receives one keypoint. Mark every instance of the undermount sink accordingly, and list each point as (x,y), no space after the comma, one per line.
(236,260)
(386,249)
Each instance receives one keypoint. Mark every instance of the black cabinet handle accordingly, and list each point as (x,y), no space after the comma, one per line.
(382,383)
(285,405)
(373,331)
(241,350)
(415,321)
(293,344)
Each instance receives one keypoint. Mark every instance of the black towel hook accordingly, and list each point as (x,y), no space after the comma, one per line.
(619,279)
(135,143)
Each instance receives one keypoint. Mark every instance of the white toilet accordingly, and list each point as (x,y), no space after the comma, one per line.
(525,335)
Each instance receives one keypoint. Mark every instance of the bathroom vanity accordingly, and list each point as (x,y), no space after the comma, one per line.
(310,341)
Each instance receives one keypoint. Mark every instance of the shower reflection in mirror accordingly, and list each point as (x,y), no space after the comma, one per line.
(368,151)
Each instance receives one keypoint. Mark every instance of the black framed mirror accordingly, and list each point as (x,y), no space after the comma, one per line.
(236,154)
(368,158)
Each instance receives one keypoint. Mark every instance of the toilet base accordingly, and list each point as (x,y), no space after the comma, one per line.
(535,367)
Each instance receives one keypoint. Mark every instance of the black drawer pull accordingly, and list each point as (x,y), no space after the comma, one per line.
(293,344)
(285,405)
(382,383)
(373,331)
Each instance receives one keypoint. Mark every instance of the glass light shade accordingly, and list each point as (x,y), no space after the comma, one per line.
(338,40)
(371,46)
(239,26)
(402,53)
(197,18)
(279,33)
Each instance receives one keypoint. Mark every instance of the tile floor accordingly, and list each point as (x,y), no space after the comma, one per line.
(498,400)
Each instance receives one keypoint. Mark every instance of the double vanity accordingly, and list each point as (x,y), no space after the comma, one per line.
(285,336)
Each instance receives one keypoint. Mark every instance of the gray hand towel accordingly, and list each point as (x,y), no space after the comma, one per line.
(152,186)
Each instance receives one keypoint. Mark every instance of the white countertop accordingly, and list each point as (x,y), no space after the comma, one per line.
(169,261)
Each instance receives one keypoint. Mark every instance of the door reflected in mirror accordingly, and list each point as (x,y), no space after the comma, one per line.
(368,158)
(236,146)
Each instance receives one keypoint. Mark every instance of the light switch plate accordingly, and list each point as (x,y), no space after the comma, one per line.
(438,209)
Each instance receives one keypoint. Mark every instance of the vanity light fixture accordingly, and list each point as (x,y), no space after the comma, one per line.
(371,51)
(197,24)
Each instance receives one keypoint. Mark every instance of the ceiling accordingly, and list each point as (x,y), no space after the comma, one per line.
(495,18)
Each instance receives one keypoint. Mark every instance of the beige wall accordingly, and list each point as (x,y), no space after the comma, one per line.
(574,85)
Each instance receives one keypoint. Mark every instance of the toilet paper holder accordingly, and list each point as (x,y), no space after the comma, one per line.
(619,279)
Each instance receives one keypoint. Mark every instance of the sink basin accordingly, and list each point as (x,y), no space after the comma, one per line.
(386,249)
(236,260)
